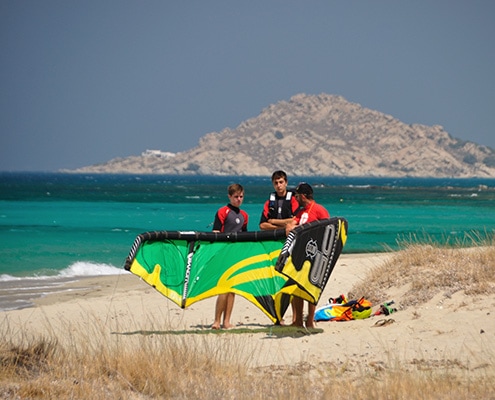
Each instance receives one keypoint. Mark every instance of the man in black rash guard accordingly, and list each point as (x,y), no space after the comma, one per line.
(282,205)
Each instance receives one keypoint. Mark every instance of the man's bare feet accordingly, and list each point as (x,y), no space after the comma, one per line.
(215,326)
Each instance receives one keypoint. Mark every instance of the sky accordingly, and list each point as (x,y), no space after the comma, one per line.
(85,81)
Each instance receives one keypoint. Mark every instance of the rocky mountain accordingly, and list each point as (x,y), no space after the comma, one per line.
(322,135)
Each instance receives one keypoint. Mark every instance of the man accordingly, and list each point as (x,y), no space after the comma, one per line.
(281,207)
(310,211)
(229,218)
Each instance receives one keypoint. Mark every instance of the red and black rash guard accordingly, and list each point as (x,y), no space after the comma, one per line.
(230,219)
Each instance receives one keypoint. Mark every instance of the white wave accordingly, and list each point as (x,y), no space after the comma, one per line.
(85,268)
(77,269)
(8,278)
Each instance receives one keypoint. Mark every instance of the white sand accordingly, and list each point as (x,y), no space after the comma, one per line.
(456,333)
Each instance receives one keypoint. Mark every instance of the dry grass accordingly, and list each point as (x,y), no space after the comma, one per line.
(169,367)
(91,363)
(94,364)
(426,269)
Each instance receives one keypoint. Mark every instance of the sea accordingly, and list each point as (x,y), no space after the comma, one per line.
(58,227)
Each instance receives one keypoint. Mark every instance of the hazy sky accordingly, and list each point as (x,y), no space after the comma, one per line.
(82,82)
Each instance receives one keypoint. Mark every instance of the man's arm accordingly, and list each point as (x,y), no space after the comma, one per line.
(291,225)
(275,223)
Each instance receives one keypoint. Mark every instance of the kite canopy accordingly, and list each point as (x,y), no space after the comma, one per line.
(265,267)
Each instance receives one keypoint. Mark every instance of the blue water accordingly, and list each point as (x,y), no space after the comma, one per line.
(83,224)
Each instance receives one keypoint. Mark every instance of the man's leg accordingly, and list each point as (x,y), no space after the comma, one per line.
(297,304)
(310,322)
(220,307)
(229,306)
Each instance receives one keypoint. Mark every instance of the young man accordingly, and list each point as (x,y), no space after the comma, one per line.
(281,207)
(229,218)
(310,211)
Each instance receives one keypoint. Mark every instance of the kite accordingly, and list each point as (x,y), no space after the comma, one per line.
(265,267)
(310,254)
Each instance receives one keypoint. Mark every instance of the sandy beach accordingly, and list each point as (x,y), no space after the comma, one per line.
(455,332)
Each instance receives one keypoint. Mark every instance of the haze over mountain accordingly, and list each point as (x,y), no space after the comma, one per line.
(318,135)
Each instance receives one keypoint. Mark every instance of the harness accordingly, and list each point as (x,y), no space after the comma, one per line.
(275,210)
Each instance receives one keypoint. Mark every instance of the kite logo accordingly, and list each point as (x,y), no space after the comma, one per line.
(311,249)
(323,257)
(187,274)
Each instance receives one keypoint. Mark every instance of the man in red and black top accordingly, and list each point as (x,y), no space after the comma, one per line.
(281,206)
(229,218)
(280,209)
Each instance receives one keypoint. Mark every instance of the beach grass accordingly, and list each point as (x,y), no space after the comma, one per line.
(91,361)
(424,268)
(169,367)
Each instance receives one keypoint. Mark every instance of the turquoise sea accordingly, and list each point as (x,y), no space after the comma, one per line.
(72,225)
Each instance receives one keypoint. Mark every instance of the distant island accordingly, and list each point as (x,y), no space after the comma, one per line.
(318,135)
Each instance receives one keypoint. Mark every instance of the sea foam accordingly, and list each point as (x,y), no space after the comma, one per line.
(75,270)
(84,268)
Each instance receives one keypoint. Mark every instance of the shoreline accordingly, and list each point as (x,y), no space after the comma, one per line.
(28,292)
(52,293)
